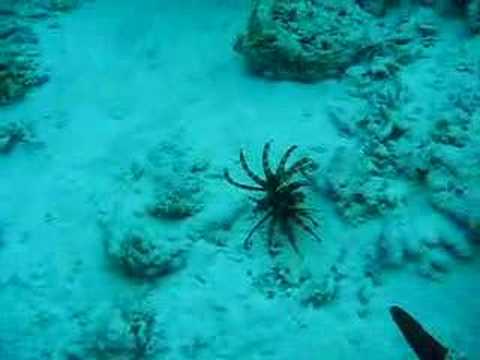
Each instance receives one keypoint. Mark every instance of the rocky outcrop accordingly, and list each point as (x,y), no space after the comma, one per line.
(302,39)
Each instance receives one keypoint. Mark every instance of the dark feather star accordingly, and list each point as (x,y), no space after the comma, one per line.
(283,200)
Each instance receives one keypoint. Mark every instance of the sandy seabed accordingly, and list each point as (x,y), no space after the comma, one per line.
(147,101)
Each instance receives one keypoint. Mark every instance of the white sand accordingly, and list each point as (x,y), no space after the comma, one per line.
(126,75)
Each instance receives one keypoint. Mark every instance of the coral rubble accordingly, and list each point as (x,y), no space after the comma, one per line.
(127,329)
(142,230)
(63,5)
(127,334)
(454,167)
(12,134)
(468,9)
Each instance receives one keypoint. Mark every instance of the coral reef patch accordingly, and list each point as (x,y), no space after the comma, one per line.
(145,253)
(305,40)
(20,68)
(468,9)
(302,39)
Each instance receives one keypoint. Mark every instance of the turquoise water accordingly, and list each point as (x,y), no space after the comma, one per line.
(122,236)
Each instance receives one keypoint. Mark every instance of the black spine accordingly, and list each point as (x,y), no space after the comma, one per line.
(424,345)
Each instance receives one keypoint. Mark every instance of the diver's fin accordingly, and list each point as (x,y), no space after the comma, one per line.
(424,345)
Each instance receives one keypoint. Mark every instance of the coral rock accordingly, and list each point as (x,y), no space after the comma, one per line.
(142,253)
(303,40)
(19,67)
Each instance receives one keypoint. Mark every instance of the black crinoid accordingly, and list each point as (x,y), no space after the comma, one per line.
(283,199)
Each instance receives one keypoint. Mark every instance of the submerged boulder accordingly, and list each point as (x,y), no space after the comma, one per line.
(303,40)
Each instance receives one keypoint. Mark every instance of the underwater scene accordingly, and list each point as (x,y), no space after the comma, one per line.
(239,179)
